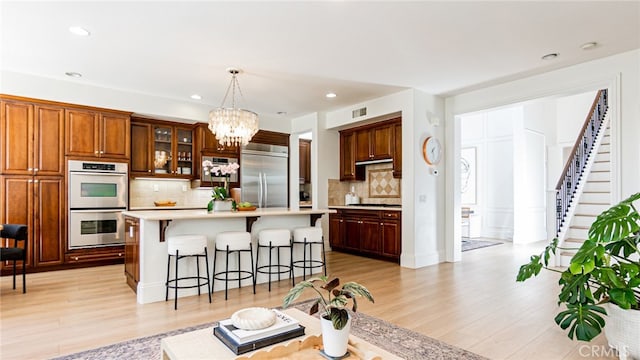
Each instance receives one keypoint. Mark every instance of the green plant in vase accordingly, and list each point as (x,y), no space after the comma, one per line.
(602,280)
(219,193)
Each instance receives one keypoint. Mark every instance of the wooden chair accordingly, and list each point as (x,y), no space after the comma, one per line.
(17,233)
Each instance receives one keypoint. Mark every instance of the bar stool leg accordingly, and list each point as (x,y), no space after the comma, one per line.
(206,263)
(278,250)
(293,274)
(175,300)
(253,275)
(310,259)
(269,274)
(213,279)
(257,262)
(239,269)
(166,287)
(198,272)
(324,258)
(304,260)
(226,276)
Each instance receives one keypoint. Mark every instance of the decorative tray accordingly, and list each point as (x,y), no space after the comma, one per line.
(309,348)
(165,203)
(250,208)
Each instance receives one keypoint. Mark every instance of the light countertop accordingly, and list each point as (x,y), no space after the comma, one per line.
(356,207)
(177,214)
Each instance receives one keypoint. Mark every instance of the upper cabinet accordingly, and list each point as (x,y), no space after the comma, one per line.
(378,141)
(375,143)
(32,140)
(348,170)
(397,150)
(97,134)
(209,145)
(161,148)
(305,160)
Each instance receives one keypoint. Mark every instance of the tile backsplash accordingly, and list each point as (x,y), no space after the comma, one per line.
(143,192)
(379,187)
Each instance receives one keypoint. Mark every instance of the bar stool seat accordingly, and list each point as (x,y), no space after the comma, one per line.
(181,247)
(230,242)
(308,237)
(274,239)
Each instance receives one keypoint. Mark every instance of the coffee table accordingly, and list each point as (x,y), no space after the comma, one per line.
(201,344)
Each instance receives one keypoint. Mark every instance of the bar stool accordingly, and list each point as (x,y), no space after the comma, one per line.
(181,247)
(274,239)
(233,242)
(308,237)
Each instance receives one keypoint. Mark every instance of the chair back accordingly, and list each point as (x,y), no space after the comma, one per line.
(14,231)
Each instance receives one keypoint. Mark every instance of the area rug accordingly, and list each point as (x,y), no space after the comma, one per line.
(403,342)
(468,244)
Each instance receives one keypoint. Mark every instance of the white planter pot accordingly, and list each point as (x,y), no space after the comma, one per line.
(622,330)
(334,341)
(222,205)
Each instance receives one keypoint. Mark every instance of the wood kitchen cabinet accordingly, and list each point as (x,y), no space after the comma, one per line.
(375,143)
(348,169)
(92,133)
(305,160)
(161,149)
(371,233)
(141,163)
(32,139)
(378,141)
(209,145)
(132,251)
(397,150)
(40,203)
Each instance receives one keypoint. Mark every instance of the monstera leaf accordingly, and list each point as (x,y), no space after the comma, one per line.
(616,223)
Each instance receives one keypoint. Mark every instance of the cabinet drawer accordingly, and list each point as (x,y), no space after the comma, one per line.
(391,215)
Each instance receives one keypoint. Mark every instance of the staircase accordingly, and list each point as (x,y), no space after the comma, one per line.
(595,198)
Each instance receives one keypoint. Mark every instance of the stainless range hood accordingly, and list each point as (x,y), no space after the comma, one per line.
(369,162)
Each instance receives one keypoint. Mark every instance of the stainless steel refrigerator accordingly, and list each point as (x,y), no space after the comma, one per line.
(264,175)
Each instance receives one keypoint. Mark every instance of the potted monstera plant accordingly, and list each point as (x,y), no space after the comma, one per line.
(335,319)
(602,280)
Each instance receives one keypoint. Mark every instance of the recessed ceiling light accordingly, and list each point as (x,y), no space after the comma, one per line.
(281,113)
(550,56)
(331,95)
(588,46)
(196,97)
(73,74)
(80,31)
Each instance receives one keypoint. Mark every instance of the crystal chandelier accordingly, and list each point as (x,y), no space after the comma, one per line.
(233,126)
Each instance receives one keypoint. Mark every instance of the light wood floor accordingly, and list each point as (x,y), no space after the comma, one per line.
(474,304)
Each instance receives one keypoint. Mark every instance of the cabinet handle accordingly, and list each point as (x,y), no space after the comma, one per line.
(35,181)
(95,152)
(382,224)
(101,151)
(36,170)
(149,170)
(29,181)
(30,169)
(75,258)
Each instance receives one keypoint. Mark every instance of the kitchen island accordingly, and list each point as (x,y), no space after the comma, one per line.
(146,248)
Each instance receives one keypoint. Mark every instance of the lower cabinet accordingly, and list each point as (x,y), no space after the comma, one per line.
(132,251)
(39,203)
(372,233)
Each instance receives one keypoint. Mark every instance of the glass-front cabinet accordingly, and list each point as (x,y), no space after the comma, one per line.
(162,149)
(173,150)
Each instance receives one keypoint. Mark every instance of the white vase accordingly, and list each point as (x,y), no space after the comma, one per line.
(622,330)
(334,341)
(222,205)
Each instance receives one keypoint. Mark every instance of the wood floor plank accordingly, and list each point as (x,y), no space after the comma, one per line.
(474,304)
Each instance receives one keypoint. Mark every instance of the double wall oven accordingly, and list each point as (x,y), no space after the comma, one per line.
(97,197)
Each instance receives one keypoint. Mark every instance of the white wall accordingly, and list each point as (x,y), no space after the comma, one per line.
(571,112)
(620,73)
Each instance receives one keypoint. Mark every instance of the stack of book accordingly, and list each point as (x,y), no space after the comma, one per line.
(241,341)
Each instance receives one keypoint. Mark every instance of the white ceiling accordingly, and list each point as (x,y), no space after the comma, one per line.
(292,53)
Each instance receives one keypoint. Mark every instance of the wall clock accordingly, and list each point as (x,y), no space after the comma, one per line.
(431,150)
